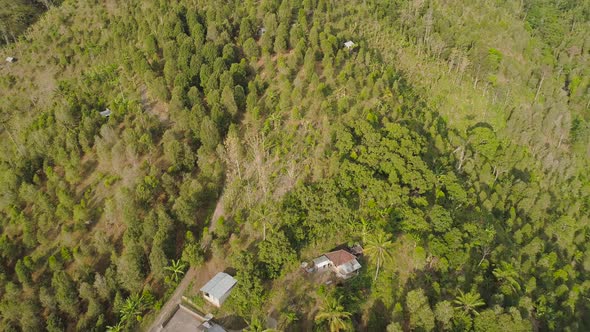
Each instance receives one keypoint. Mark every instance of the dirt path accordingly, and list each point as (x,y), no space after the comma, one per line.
(155,107)
(144,98)
(219,211)
(173,301)
(193,274)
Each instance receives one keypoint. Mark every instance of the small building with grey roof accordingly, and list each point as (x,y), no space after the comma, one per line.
(321,262)
(106,113)
(349,45)
(218,288)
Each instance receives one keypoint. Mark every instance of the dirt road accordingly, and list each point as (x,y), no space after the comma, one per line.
(173,301)
(191,275)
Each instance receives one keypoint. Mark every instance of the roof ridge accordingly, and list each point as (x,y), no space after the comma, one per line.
(340,256)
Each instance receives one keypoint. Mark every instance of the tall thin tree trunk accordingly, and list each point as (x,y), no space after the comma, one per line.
(378,265)
(18,148)
(539,89)
(462,158)
(239,171)
(476,78)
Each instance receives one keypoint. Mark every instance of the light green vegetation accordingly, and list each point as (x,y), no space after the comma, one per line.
(17,15)
(452,142)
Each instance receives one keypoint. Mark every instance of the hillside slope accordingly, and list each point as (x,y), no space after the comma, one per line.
(452,139)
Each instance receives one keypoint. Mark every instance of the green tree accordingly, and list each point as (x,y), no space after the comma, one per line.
(160,90)
(251,48)
(281,38)
(65,293)
(256,324)
(421,315)
(119,327)
(151,45)
(209,134)
(508,277)
(23,272)
(158,260)
(133,308)
(228,100)
(248,295)
(491,321)
(177,269)
(275,252)
(444,312)
(193,254)
(247,29)
(130,267)
(333,313)
(54,323)
(469,302)
(441,219)
(378,248)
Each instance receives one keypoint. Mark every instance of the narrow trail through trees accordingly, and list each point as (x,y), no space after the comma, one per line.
(189,276)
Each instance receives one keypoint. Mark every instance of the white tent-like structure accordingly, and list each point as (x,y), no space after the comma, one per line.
(106,113)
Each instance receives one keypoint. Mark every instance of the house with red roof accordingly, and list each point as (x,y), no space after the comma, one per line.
(342,262)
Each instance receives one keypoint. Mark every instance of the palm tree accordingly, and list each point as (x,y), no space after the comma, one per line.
(116,328)
(177,269)
(333,312)
(379,247)
(132,308)
(507,275)
(364,229)
(265,215)
(469,302)
(288,317)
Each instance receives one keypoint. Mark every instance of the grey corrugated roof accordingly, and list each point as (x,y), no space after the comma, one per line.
(106,112)
(210,327)
(349,267)
(219,285)
(322,260)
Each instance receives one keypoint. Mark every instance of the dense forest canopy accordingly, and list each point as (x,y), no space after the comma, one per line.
(452,142)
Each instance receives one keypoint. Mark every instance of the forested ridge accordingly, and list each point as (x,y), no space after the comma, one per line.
(452,142)
(17,15)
